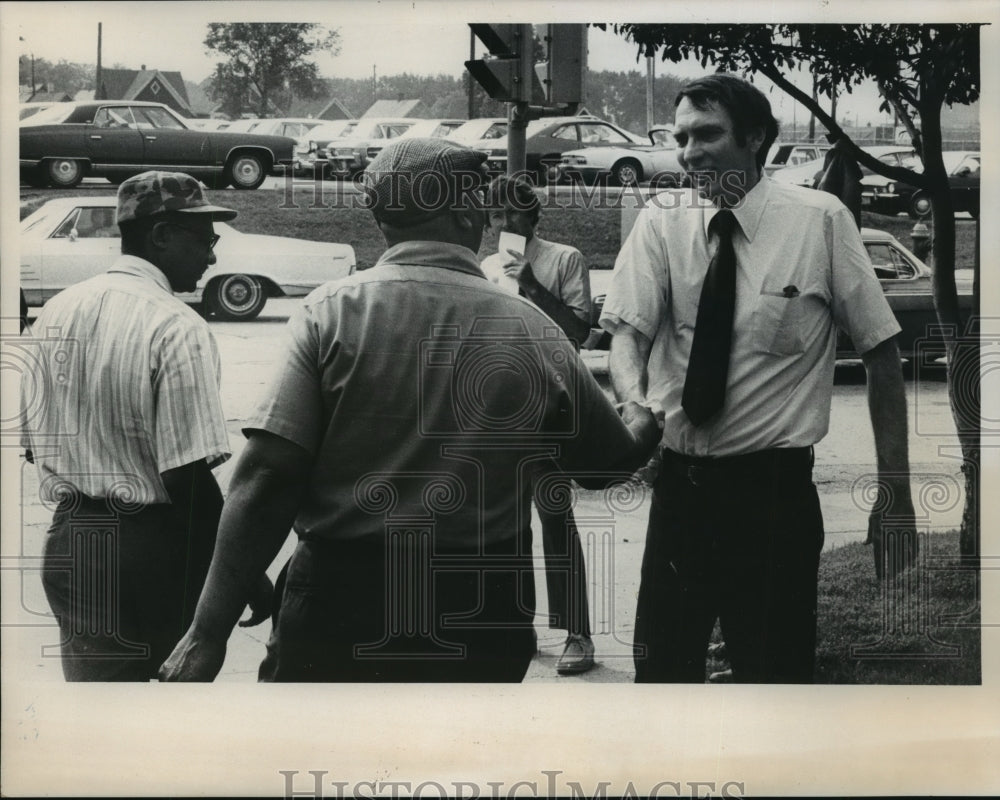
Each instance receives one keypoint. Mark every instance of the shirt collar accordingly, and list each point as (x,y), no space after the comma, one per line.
(433,254)
(139,267)
(749,210)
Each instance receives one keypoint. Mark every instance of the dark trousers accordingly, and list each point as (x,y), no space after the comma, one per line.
(565,572)
(379,611)
(736,540)
(123,585)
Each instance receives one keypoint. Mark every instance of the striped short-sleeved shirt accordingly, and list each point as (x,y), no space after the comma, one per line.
(125,387)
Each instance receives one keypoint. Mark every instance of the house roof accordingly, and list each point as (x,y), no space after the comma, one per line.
(397,108)
(127,84)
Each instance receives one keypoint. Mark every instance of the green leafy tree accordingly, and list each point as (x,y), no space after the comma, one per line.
(267,63)
(918,69)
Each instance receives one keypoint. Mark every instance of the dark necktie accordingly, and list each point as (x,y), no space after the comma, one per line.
(705,384)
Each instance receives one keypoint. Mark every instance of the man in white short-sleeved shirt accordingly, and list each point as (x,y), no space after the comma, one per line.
(735,529)
(125,423)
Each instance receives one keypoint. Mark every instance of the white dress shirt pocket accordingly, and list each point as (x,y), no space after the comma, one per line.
(779,320)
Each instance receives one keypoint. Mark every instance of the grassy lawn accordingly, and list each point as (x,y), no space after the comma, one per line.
(595,232)
(923,629)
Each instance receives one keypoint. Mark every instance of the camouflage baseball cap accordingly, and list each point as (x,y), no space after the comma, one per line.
(413,180)
(156,192)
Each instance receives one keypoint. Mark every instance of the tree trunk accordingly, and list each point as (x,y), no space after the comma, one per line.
(961,335)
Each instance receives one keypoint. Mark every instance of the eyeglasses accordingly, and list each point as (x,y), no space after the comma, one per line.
(211,242)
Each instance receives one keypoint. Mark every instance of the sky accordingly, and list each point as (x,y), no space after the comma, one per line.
(390,37)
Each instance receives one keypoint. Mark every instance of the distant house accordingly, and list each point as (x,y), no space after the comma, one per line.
(145,84)
(42,94)
(398,108)
(319,108)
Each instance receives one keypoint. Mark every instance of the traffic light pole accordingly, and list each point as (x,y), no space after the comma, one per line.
(517,117)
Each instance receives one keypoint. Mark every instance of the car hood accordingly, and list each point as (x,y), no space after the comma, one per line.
(261,243)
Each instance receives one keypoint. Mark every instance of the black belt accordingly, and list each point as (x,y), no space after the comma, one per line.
(709,471)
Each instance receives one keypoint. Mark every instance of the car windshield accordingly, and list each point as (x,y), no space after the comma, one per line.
(53,115)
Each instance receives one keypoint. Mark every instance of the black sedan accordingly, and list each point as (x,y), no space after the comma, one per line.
(114,139)
(886,196)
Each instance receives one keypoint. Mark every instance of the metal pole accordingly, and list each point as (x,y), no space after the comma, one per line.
(517,118)
(517,113)
(468,75)
(97,76)
(650,78)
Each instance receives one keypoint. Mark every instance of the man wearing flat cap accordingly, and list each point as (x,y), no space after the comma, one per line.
(399,439)
(125,428)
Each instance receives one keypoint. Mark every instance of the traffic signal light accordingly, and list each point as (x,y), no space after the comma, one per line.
(563,72)
(508,75)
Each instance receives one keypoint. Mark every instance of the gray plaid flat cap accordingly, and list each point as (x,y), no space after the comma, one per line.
(413,180)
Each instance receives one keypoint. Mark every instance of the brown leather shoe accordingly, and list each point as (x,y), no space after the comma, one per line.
(578,655)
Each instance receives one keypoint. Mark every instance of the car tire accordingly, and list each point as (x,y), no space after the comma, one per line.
(627,172)
(63,173)
(919,206)
(236,298)
(245,171)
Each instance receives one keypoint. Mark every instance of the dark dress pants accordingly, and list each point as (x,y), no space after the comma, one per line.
(376,612)
(565,571)
(123,583)
(742,547)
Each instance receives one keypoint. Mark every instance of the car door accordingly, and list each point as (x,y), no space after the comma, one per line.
(85,243)
(964,181)
(114,139)
(167,143)
(908,292)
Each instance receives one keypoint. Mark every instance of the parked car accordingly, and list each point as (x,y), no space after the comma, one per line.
(807,173)
(296,127)
(790,154)
(421,128)
(905,279)
(114,139)
(209,124)
(887,196)
(548,138)
(26,110)
(357,145)
(627,163)
(70,239)
(308,146)
(476,132)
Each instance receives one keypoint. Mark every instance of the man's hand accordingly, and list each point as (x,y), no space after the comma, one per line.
(644,427)
(892,531)
(519,268)
(194,660)
(261,602)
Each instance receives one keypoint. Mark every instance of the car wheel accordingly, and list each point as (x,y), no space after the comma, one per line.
(64,173)
(919,205)
(246,171)
(627,173)
(236,297)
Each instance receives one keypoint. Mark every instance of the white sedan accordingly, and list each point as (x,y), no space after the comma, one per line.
(626,164)
(71,239)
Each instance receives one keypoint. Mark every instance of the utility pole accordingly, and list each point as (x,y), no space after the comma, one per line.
(374,85)
(97,76)
(468,75)
(650,79)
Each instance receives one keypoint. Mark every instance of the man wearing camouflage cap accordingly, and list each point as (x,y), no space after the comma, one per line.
(399,439)
(125,432)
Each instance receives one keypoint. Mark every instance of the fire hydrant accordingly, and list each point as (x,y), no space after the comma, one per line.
(921,238)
